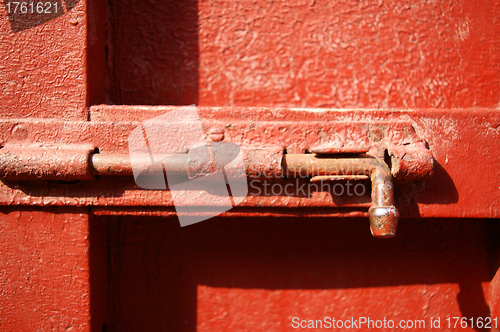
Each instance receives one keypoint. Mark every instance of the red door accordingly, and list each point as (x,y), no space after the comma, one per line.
(360,114)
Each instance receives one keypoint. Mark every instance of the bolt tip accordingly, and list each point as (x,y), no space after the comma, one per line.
(383,221)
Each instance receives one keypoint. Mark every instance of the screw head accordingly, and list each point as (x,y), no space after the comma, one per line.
(216,134)
(20,132)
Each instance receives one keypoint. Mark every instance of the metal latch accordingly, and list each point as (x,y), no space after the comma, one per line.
(81,162)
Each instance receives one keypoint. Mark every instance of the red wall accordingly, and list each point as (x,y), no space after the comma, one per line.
(245,274)
(44,270)
(306,53)
(256,274)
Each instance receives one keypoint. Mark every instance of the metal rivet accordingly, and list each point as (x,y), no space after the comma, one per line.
(375,135)
(216,134)
(20,132)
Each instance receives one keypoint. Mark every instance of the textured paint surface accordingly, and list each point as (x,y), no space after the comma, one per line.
(153,53)
(307,53)
(457,189)
(253,274)
(241,274)
(44,270)
(42,69)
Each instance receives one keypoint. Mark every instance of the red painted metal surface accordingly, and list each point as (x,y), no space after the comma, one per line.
(440,58)
(43,68)
(306,53)
(38,162)
(256,274)
(45,270)
(452,135)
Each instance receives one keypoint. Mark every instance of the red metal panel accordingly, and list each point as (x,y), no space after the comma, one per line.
(253,274)
(346,54)
(46,284)
(257,274)
(45,270)
(454,136)
(43,71)
(306,53)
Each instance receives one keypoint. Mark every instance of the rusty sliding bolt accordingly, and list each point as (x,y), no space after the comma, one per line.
(38,161)
(383,214)
(75,162)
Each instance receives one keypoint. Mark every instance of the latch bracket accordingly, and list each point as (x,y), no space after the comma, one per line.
(92,154)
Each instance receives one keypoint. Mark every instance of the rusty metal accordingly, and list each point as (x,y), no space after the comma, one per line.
(120,164)
(337,158)
(411,162)
(338,150)
(384,133)
(76,162)
(38,161)
(320,178)
(259,162)
(383,214)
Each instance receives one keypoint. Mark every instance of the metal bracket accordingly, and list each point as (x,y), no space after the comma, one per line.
(319,151)
(78,163)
